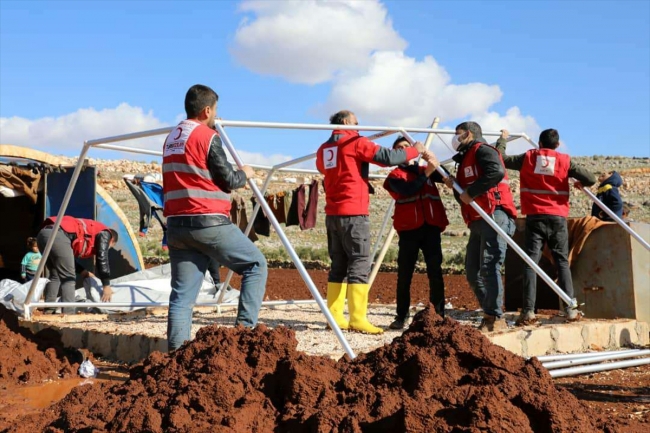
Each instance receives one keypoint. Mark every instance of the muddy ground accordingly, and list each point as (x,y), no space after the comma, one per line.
(620,398)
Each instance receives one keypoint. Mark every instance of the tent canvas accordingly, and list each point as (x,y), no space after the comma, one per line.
(20,218)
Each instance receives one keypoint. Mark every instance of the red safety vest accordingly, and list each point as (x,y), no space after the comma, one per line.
(545,183)
(344,159)
(411,212)
(188,187)
(468,172)
(85,230)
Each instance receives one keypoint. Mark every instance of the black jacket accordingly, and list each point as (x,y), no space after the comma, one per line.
(489,162)
(102,268)
(223,175)
(609,195)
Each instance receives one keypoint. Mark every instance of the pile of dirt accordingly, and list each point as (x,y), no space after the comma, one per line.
(28,358)
(439,376)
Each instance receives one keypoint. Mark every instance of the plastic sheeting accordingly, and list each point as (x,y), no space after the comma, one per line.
(13,293)
(150,285)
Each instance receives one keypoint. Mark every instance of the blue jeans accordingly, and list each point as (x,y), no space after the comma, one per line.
(190,251)
(485,254)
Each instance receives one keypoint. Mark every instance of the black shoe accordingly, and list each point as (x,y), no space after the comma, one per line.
(397,324)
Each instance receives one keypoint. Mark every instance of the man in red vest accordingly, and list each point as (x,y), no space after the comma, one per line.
(197,181)
(544,191)
(419,218)
(483,177)
(76,238)
(344,160)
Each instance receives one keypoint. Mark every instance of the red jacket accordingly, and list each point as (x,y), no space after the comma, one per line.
(545,183)
(344,160)
(468,172)
(187,183)
(85,230)
(412,211)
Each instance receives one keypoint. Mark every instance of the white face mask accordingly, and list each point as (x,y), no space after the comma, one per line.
(455,142)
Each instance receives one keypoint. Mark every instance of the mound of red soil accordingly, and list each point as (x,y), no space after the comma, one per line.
(28,358)
(439,376)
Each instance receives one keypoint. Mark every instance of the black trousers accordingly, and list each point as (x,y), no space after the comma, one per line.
(427,239)
(551,230)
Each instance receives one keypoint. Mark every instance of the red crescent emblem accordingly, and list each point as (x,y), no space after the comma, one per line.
(331,157)
(180,131)
(545,162)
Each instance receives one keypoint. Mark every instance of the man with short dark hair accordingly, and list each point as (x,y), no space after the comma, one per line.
(544,191)
(484,180)
(344,160)
(197,181)
(419,218)
(76,238)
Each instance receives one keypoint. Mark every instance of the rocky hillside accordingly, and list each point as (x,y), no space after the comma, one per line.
(312,244)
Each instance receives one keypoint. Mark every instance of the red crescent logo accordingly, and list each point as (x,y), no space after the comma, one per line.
(545,162)
(331,157)
(180,131)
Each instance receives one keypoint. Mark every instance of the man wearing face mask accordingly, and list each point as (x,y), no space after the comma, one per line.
(419,218)
(344,160)
(197,181)
(482,175)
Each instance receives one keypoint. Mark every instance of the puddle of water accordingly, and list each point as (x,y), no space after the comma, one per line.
(30,399)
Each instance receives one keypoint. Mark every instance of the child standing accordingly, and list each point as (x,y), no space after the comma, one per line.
(608,193)
(30,262)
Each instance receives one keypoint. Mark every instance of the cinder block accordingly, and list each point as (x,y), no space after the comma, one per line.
(510,341)
(568,338)
(537,342)
(72,337)
(643,332)
(101,344)
(157,344)
(128,348)
(597,335)
(625,333)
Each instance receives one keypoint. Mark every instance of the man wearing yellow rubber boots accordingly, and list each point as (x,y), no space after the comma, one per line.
(344,160)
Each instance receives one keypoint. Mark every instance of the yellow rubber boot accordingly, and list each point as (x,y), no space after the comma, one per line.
(358,305)
(336,301)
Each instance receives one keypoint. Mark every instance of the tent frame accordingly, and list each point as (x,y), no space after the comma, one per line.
(106,143)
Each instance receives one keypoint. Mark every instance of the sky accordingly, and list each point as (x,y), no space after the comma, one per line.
(77,70)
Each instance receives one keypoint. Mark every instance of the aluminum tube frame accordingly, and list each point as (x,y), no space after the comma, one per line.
(159,304)
(605,209)
(287,245)
(267,181)
(275,125)
(376,264)
(564,357)
(594,359)
(55,228)
(380,235)
(616,218)
(573,371)
(572,303)
(256,209)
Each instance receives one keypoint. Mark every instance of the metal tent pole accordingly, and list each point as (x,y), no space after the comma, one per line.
(267,181)
(594,359)
(391,233)
(570,302)
(600,367)
(301,268)
(55,228)
(564,357)
(607,210)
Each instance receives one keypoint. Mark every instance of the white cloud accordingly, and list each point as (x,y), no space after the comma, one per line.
(66,134)
(353,45)
(513,121)
(396,89)
(310,41)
